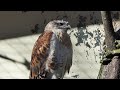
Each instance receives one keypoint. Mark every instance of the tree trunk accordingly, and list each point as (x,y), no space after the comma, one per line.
(110,70)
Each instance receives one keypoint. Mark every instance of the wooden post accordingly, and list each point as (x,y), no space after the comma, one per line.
(111,69)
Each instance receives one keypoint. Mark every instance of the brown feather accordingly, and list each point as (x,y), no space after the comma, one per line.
(52,52)
(39,53)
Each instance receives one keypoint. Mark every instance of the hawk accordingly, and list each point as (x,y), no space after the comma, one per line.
(52,53)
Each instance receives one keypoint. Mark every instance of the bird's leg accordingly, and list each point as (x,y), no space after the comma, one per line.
(108,54)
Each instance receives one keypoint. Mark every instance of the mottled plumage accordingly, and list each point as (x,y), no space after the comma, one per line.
(52,52)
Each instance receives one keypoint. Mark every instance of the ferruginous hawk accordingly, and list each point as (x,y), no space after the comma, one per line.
(52,52)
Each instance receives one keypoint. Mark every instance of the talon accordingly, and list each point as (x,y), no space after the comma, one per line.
(109,54)
(117,43)
(118,46)
(105,60)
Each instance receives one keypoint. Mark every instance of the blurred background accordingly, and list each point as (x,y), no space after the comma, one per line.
(20,29)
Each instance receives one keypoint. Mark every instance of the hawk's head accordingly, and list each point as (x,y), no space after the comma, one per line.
(58,25)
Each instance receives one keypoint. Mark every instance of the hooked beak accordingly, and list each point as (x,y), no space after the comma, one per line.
(69,27)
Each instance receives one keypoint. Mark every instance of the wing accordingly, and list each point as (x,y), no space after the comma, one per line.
(39,55)
(66,52)
(69,60)
(69,54)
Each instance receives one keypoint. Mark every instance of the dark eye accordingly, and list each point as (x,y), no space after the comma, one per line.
(60,24)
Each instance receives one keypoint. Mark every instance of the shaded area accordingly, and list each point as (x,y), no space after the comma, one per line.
(117,34)
(36,28)
(83,36)
(25,63)
(17,24)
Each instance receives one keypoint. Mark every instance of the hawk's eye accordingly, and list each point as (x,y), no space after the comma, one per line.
(60,24)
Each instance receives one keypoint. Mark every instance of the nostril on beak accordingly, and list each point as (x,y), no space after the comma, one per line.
(67,23)
(69,27)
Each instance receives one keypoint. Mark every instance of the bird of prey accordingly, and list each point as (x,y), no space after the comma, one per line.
(52,53)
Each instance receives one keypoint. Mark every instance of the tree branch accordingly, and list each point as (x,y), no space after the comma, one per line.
(111,69)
